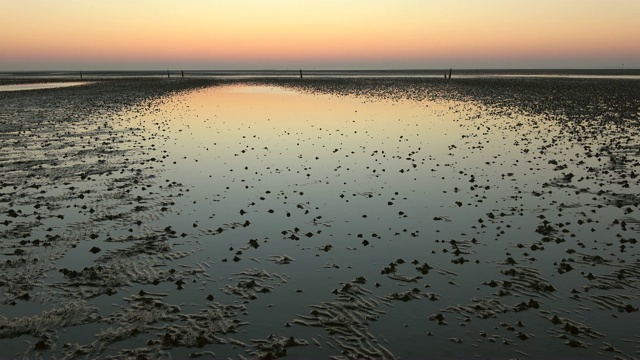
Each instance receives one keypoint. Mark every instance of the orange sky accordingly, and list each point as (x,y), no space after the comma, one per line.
(328,34)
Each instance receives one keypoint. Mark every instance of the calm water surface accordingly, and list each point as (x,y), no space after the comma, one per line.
(51,85)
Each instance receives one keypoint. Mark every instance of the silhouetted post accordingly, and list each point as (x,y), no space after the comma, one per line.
(182,73)
(80,75)
(450,73)
(167,74)
(445,74)
(300,73)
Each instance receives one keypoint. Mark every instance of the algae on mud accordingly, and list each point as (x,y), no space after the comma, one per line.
(344,218)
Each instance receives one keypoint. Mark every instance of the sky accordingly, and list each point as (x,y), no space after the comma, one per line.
(321,34)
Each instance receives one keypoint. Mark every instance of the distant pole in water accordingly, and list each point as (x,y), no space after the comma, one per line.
(300,73)
(182,73)
(167,74)
(80,75)
(450,73)
(445,74)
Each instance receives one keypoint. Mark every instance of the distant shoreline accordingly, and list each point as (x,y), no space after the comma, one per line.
(426,73)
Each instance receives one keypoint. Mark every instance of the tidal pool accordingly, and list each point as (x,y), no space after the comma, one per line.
(264,221)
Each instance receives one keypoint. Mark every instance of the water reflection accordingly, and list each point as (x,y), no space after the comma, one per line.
(262,137)
(40,86)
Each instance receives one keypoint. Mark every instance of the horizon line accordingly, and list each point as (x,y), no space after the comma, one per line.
(159,70)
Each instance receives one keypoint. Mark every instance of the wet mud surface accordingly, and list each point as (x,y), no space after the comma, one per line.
(321,218)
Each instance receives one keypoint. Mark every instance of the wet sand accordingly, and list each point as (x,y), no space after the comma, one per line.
(339,218)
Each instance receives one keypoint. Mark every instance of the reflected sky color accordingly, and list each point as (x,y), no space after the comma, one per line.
(251,34)
(21,87)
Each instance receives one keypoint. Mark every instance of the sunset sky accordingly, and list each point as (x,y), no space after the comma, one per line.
(327,34)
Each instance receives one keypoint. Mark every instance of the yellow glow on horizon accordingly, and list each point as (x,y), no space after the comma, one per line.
(331,31)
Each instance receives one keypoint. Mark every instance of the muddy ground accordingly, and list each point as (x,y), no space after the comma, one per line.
(90,258)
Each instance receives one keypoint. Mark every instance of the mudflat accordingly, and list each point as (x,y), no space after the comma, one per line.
(321,218)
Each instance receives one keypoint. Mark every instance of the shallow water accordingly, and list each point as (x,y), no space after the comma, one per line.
(362,227)
(39,86)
